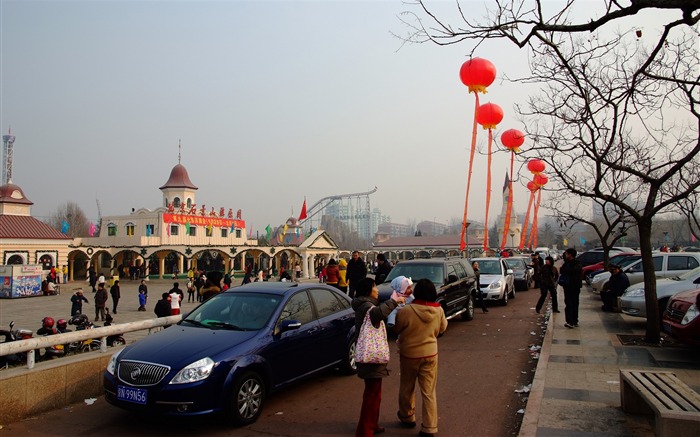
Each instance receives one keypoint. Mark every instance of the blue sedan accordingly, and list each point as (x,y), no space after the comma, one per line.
(233,350)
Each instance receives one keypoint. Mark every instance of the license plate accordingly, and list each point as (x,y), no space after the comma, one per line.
(130,394)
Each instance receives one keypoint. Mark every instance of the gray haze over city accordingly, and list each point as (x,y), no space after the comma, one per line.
(273,102)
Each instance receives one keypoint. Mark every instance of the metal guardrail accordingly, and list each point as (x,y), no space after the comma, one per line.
(30,345)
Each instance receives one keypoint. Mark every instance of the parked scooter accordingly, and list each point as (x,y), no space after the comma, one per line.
(116,339)
(47,328)
(14,335)
(82,322)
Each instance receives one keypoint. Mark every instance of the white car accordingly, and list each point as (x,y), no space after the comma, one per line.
(632,301)
(666,265)
(496,280)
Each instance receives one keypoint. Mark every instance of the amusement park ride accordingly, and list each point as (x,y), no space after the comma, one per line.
(353,209)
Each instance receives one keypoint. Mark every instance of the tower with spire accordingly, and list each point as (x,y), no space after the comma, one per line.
(8,142)
(179,189)
(515,228)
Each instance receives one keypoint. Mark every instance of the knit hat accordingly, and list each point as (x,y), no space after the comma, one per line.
(400,283)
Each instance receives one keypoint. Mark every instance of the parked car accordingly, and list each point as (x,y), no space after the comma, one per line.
(522,272)
(632,301)
(232,351)
(681,319)
(598,255)
(544,252)
(496,279)
(453,277)
(621,259)
(666,265)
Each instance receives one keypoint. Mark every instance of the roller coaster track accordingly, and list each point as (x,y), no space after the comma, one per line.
(319,206)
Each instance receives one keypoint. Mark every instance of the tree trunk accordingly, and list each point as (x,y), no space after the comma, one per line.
(653,332)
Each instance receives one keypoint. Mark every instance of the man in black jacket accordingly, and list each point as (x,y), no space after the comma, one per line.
(116,294)
(162,308)
(570,277)
(616,285)
(357,270)
(383,269)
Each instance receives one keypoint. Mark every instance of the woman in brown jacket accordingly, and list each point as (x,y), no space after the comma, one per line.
(419,324)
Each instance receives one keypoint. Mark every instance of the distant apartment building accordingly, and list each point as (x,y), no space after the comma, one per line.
(429,228)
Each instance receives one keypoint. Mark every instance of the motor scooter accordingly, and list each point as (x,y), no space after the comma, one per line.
(14,335)
(82,322)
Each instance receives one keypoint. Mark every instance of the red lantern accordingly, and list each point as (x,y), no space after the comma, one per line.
(540,179)
(489,115)
(536,166)
(532,186)
(477,74)
(512,139)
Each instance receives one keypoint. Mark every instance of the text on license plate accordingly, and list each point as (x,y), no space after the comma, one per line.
(130,394)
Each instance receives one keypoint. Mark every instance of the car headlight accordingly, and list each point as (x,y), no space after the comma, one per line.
(690,315)
(200,369)
(112,365)
(495,284)
(636,292)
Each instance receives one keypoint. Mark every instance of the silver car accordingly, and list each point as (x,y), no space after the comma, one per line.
(496,280)
(666,265)
(632,301)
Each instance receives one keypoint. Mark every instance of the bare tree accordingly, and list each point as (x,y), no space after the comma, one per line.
(617,116)
(70,213)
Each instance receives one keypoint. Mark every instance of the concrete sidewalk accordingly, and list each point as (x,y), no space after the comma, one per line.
(576,390)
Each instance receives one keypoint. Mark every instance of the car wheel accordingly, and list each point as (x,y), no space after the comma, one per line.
(588,278)
(118,342)
(512,292)
(468,313)
(504,299)
(247,399)
(349,366)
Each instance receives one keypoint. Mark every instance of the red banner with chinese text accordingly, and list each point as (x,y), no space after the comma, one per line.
(198,220)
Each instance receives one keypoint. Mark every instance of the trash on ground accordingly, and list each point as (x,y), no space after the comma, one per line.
(524,389)
(90,401)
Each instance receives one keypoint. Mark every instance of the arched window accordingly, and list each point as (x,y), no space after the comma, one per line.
(130,229)
(111,230)
(46,262)
(15,260)
(165,202)
(189,203)
(176,202)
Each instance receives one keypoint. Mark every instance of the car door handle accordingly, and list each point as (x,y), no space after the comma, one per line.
(313,330)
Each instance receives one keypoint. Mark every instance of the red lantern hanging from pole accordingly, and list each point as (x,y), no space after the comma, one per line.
(488,116)
(535,166)
(511,139)
(477,74)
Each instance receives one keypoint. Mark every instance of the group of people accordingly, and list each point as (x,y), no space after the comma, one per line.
(568,276)
(418,325)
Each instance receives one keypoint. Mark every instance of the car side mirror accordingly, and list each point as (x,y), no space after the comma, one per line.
(509,272)
(289,325)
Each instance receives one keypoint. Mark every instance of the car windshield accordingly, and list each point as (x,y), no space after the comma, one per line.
(624,261)
(235,311)
(489,267)
(691,275)
(515,264)
(416,271)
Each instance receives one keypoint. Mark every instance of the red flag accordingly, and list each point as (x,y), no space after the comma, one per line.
(302,216)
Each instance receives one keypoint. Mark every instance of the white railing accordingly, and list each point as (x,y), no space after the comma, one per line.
(30,345)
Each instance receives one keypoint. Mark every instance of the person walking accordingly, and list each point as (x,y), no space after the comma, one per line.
(366,301)
(418,325)
(100,302)
(548,285)
(142,301)
(616,285)
(64,271)
(175,299)
(190,290)
(77,302)
(356,271)
(570,280)
(477,273)
(116,295)
(536,263)
(92,278)
(143,287)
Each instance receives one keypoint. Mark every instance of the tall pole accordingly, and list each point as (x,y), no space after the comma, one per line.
(8,146)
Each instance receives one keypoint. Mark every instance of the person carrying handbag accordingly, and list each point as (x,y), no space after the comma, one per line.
(369,324)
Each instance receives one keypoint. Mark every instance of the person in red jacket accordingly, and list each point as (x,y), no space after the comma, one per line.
(332,273)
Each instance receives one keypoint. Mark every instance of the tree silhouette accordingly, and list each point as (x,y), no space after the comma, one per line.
(616,115)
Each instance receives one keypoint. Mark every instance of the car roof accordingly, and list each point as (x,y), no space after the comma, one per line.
(429,260)
(487,258)
(274,287)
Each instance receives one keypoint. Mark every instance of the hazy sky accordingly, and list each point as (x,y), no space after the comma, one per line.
(273,101)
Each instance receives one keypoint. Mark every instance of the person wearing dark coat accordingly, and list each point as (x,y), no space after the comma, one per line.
(100,301)
(356,271)
(366,299)
(77,302)
(477,275)
(383,269)
(616,285)
(162,308)
(92,278)
(570,277)
(116,295)
(548,285)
